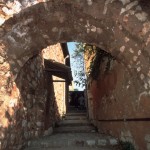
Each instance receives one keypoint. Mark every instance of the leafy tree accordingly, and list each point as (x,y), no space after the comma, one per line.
(96,56)
(79,65)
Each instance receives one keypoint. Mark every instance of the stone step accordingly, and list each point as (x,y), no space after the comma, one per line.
(74,123)
(75,129)
(76,140)
(75,109)
(81,117)
(72,148)
(76,114)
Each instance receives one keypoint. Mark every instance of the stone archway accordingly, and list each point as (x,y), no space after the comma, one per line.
(99,23)
(121,28)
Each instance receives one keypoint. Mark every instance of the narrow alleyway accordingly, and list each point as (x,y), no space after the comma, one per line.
(74,132)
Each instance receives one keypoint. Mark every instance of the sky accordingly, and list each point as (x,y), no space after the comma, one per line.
(71,48)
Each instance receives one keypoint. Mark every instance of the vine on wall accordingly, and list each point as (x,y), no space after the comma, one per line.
(99,58)
(101,62)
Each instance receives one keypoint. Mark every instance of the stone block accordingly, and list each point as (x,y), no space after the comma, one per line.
(101,142)
(29,143)
(34,83)
(19,147)
(48,132)
(20,63)
(45,144)
(12,137)
(1,60)
(29,78)
(36,134)
(141,16)
(28,96)
(147,138)
(39,124)
(148,146)
(113,141)
(2,135)
(32,67)
(29,124)
(26,135)
(91,142)
(24,123)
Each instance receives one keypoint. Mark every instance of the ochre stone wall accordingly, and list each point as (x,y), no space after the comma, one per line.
(55,52)
(51,114)
(59,88)
(30,106)
(116,106)
(23,113)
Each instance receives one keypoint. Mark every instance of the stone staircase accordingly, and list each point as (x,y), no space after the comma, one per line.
(74,132)
(75,123)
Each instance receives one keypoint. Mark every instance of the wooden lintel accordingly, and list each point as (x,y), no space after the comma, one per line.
(59,81)
(54,70)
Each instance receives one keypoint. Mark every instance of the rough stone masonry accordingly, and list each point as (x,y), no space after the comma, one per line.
(120,27)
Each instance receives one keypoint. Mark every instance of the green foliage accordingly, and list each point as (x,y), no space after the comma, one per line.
(100,56)
(97,57)
(127,146)
(79,50)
